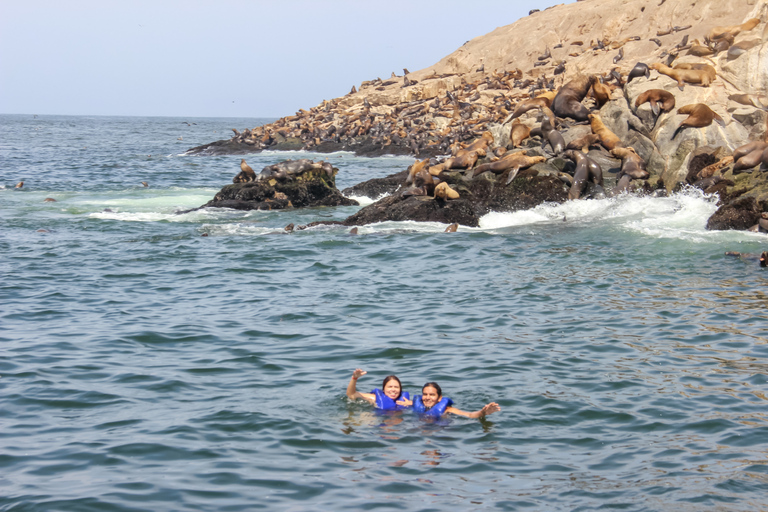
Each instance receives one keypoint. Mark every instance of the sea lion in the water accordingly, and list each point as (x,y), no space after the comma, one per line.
(452,228)
(699,116)
(19,184)
(632,164)
(685,74)
(444,191)
(145,184)
(608,139)
(567,102)
(659,99)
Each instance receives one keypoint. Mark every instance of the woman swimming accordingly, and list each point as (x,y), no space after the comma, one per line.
(431,402)
(389,397)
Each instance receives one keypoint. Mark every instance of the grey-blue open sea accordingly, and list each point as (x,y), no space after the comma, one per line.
(144,367)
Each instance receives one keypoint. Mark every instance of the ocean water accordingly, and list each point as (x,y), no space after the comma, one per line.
(145,367)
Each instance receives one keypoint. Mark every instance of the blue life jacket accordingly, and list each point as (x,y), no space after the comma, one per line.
(385,403)
(436,410)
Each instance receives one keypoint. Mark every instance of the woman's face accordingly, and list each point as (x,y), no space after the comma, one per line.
(429,396)
(392,389)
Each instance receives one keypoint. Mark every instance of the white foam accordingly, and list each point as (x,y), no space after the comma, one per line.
(681,215)
(365,200)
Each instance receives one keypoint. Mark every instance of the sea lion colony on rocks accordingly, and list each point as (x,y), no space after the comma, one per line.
(491,120)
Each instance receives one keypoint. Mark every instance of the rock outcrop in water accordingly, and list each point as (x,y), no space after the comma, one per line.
(288,184)
(489,80)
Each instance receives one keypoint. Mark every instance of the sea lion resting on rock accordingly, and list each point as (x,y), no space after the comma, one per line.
(444,191)
(687,74)
(514,161)
(732,30)
(518,133)
(632,164)
(567,102)
(526,105)
(761,226)
(659,99)
(608,139)
(699,116)
(749,155)
(463,160)
(289,168)
(710,170)
(551,135)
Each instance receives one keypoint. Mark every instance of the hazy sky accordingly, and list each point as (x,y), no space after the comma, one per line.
(224,58)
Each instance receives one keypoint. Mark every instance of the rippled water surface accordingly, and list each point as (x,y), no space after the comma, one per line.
(147,367)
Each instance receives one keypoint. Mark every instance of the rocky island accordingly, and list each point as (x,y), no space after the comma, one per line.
(576,101)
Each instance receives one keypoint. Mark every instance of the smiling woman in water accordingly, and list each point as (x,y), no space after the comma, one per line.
(389,397)
(431,402)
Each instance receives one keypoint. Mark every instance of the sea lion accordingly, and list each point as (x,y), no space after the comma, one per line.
(246,174)
(601,93)
(583,143)
(551,135)
(513,161)
(445,192)
(452,228)
(732,30)
(595,172)
(415,169)
(622,185)
(659,99)
(19,185)
(699,116)
(463,160)
(751,100)
(748,148)
(608,139)
(710,170)
(567,102)
(580,178)
(353,231)
(49,200)
(748,161)
(518,133)
(762,259)
(686,74)
(762,224)
(145,184)
(526,105)
(632,164)
(640,69)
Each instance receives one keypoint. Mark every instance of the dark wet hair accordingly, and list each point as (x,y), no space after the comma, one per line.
(432,385)
(389,378)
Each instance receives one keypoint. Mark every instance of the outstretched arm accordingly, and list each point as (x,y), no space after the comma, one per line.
(353,393)
(482,413)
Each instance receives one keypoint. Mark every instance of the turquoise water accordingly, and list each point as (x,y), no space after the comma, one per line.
(146,367)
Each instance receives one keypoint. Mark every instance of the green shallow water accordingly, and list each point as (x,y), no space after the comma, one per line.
(145,367)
